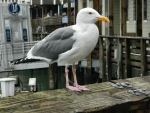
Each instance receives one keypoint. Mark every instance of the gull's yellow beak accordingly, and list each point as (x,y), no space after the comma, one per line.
(103,18)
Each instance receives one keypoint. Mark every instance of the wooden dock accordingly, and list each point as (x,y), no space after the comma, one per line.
(103,98)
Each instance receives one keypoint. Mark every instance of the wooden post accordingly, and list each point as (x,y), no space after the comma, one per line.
(111,26)
(84,3)
(89,60)
(127,59)
(97,5)
(69,12)
(51,77)
(76,10)
(119,61)
(143,56)
(108,74)
(123,17)
(139,17)
(101,59)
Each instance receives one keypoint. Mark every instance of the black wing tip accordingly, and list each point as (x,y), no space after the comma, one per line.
(23,60)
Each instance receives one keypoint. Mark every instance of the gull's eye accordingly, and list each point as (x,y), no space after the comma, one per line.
(90,13)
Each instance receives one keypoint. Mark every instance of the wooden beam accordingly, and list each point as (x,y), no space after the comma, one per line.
(69,12)
(123,17)
(101,59)
(76,9)
(51,77)
(84,3)
(97,5)
(119,59)
(111,25)
(143,57)
(139,17)
(108,63)
(127,70)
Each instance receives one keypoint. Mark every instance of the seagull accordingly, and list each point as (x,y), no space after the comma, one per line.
(68,45)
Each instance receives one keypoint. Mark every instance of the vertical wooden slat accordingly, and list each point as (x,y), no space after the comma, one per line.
(84,3)
(123,17)
(69,12)
(97,5)
(76,9)
(51,77)
(127,59)
(119,61)
(111,26)
(138,17)
(108,63)
(89,59)
(101,59)
(143,56)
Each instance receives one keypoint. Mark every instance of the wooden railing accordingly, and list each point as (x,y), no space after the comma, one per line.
(122,57)
(50,23)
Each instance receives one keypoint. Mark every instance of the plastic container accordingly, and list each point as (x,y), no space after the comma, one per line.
(7,86)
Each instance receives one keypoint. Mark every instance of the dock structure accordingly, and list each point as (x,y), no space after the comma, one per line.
(103,98)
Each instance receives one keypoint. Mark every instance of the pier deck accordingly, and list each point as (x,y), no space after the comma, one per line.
(103,98)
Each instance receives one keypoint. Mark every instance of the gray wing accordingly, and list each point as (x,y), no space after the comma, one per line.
(54,44)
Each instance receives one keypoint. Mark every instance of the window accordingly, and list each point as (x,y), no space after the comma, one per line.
(127,9)
(145,9)
(134,10)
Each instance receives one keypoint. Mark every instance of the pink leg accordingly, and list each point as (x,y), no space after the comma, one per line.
(75,80)
(67,81)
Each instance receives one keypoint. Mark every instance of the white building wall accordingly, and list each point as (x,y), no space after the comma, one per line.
(146,23)
(131,24)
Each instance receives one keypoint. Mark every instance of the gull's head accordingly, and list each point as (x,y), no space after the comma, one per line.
(89,15)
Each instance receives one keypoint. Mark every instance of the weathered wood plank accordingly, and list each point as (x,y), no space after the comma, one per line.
(108,69)
(119,61)
(123,17)
(127,59)
(103,98)
(69,12)
(139,14)
(143,57)
(101,59)
(134,63)
(111,23)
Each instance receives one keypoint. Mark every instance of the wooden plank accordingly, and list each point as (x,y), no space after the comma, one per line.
(97,5)
(123,37)
(101,59)
(123,18)
(103,98)
(139,14)
(127,59)
(135,51)
(111,23)
(108,66)
(135,57)
(69,12)
(143,57)
(84,3)
(136,64)
(76,9)
(119,61)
